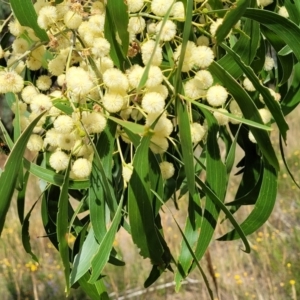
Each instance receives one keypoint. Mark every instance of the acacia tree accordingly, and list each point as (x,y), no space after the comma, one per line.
(125,103)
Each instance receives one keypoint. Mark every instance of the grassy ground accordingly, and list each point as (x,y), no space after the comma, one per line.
(271,271)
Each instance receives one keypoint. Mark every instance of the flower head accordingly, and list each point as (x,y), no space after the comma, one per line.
(167,169)
(59,160)
(11,82)
(216,95)
(82,168)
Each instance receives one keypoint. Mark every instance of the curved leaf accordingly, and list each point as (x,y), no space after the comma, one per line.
(9,176)
(101,257)
(143,230)
(286,29)
(62,226)
(270,102)
(26,15)
(263,206)
(233,15)
(249,111)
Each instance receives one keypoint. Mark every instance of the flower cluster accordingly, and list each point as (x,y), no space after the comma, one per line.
(78,84)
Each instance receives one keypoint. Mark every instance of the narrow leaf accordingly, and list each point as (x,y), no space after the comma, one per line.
(62,226)
(141,218)
(231,18)
(101,257)
(9,176)
(263,206)
(26,15)
(270,102)
(26,236)
(286,29)
(249,111)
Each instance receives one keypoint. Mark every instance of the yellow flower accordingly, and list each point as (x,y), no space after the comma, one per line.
(292,282)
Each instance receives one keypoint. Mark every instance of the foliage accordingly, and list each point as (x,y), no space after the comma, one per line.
(130,106)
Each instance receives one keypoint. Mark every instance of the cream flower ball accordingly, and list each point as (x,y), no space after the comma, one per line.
(78,81)
(93,122)
(115,79)
(269,63)
(44,82)
(203,56)
(136,25)
(72,20)
(135,5)
(47,16)
(248,85)
(11,82)
(113,102)
(216,95)
(134,75)
(40,103)
(63,124)
(160,7)
(59,160)
(265,115)
(147,50)
(167,169)
(283,12)
(264,2)
(204,79)
(192,89)
(197,132)
(35,143)
(127,171)
(168,31)
(82,168)
(221,118)
(153,103)
(235,110)
(155,77)
(159,144)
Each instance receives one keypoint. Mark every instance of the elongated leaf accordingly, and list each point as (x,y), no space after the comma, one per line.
(141,218)
(246,47)
(286,29)
(194,219)
(49,211)
(189,247)
(133,127)
(233,117)
(292,98)
(293,8)
(105,148)
(54,178)
(286,62)
(26,15)
(286,164)
(222,206)
(231,153)
(263,206)
(116,52)
(118,11)
(26,236)
(231,18)
(62,226)
(94,291)
(249,111)
(272,105)
(21,198)
(101,257)
(147,68)
(82,262)
(216,179)
(9,176)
